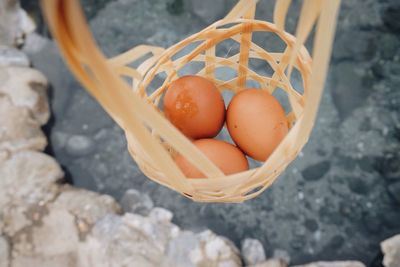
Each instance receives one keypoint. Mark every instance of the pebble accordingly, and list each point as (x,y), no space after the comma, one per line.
(358,185)
(316,171)
(79,145)
(336,242)
(391,17)
(311,225)
(394,191)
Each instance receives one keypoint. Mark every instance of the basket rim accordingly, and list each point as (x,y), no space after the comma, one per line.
(303,56)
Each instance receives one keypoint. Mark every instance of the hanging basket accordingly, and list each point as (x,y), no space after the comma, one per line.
(152,140)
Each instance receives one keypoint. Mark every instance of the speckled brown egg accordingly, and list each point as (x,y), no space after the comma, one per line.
(256,122)
(195,106)
(227,157)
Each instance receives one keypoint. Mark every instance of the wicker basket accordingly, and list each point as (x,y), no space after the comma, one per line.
(152,139)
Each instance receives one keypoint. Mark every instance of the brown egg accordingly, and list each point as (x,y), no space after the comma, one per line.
(256,122)
(195,106)
(228,158)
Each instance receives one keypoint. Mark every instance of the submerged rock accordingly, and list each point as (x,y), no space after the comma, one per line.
(316,171)
(79,145)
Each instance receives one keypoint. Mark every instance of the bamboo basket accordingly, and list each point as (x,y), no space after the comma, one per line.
(152,139)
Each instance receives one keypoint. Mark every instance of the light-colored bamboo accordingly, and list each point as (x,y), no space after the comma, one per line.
(152,140)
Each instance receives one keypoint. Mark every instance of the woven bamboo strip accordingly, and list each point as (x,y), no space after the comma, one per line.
(152,140)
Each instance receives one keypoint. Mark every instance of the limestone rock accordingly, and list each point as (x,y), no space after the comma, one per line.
(10,56)
(182,250)
(391,250)
(86,206)
(18,130)
(4,252)
(55,241)
(27,183)
(14,23)
(62,230)
(282,255)
(271,263)
(204,249)
(333,264)
(27,88)
(118,241)
(136,202)
(252,251)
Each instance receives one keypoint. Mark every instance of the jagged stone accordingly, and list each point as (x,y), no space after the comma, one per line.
(136,202)
(252,251)
(27,183)
(4,252)
(10,56)
(18,130)
(391,250)
(333,264)
(27,88)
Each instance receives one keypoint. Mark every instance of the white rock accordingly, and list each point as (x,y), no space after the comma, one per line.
(10,56)
(87,206)
(4,252)
(116,242)
(63,229)
(18,130)
(14,23)
(27,88)
(391,250)
(161,215)
(184,250)
(136,202)
(333,264)
(159,232)
(203,249)
(252,251)
(54,241)
(271,263)
(217,249)
(34,42)
(27,182)
(281,254)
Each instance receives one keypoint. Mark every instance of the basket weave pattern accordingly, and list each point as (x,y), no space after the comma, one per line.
(152,140)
